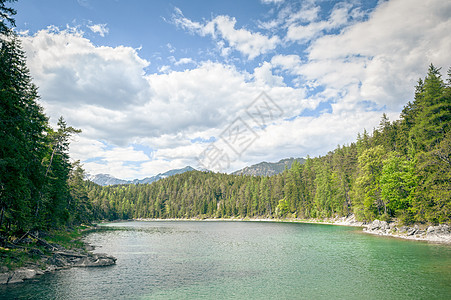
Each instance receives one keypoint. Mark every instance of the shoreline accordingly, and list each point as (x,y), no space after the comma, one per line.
(55,257)
(440,234)
(350,221)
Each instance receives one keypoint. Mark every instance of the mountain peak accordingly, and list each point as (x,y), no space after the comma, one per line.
(267,168)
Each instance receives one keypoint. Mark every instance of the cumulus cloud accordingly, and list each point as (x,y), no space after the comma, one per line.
(222,28)
(301,33)
(69,69)
(101,29)
(386,54)
(184,61)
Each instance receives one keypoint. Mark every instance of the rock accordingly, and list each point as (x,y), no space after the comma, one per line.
(50,268)
(403,229)
(378,225)
(96,260)
(90,247)
(442,229)
(70,253)
(4,277)
(57,260)
(412,231)
(22,274)
(17,276)
(39,271)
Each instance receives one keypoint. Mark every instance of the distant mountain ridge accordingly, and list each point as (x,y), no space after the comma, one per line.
(261,169)
(268,169)
(106,179)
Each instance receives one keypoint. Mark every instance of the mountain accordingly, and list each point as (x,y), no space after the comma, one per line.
(162,175)
(268,169)
(106,179)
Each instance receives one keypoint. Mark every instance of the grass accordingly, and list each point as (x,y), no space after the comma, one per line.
(17,258)
(27,254)
(67,239)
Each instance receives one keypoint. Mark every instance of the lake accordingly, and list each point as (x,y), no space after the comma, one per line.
(248,260)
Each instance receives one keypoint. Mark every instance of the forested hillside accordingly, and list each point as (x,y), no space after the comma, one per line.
(401,170)
(39,188)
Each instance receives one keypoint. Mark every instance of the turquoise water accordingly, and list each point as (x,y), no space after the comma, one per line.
(249,260)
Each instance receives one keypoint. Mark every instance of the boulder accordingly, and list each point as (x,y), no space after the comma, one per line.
(96,260)
(58,261)
(17,276)
(442,229)
(22,274)
(4,277)
(403,229)
(412,231)
(378,225)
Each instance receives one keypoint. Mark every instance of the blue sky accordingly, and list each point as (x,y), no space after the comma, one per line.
(157,85)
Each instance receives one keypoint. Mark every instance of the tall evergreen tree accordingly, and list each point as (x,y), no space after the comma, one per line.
(22,136)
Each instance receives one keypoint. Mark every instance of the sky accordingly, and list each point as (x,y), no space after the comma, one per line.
(220,85)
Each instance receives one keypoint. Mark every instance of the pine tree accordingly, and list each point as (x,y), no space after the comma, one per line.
(22,137)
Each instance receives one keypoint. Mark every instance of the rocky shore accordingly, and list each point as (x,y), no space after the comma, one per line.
(440,233)
(56,257)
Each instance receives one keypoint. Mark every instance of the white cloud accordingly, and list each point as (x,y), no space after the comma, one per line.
(263,76)
(304,33)
(383,57)
(84,3)
(222,28)
(272,1)
(69,69)
(287,62)
(184,61)
(164,69)
(101,29)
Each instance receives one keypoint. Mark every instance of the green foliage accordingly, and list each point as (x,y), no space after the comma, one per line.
(14,258)
(6,16)
(282,208)
(22,138)
(367,187)
(398,182)
(39,188)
